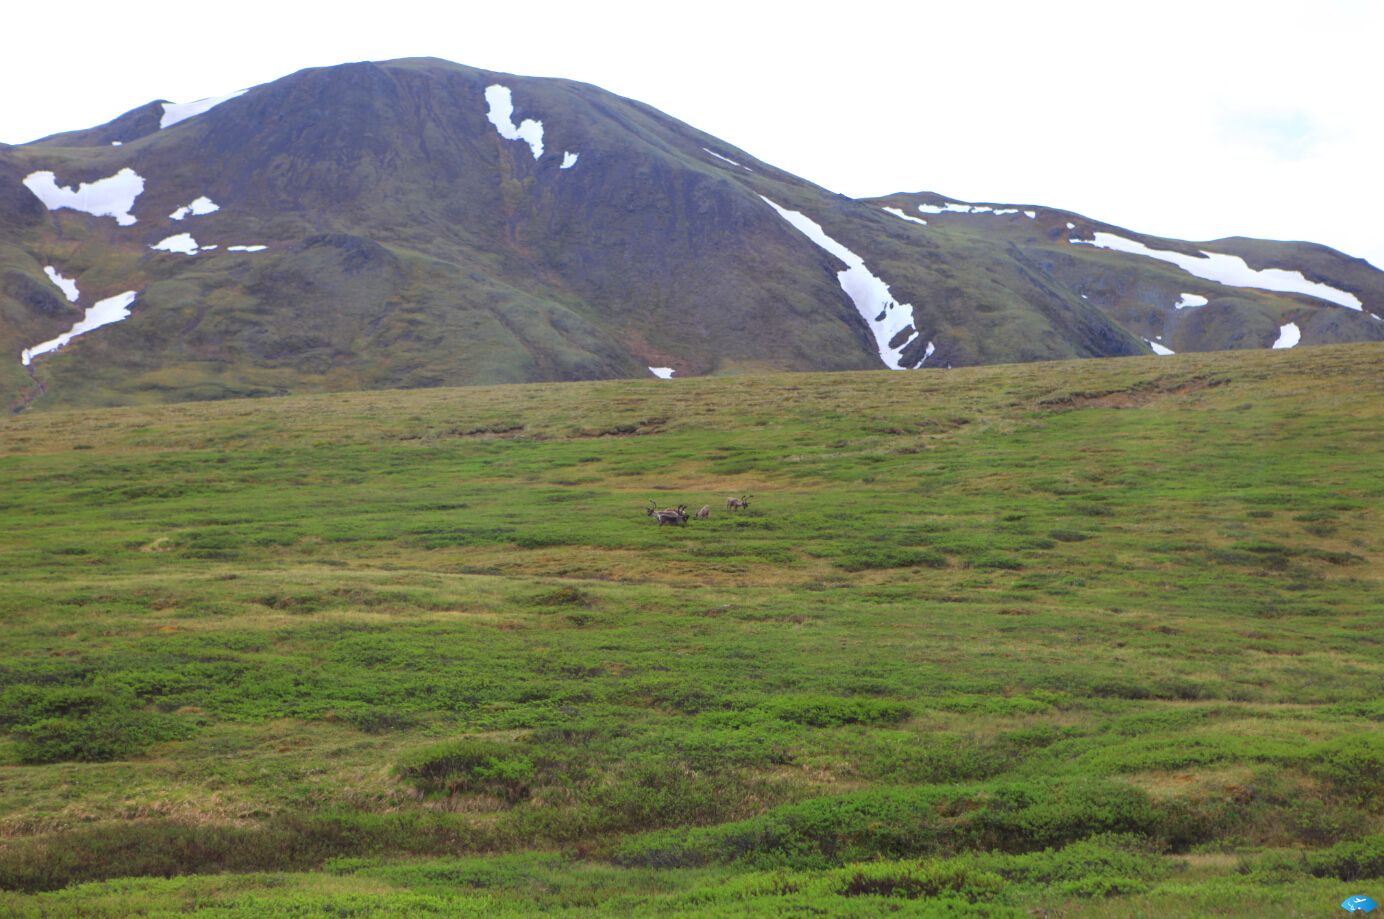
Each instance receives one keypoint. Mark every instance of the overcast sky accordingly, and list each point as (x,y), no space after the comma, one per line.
(1186,119)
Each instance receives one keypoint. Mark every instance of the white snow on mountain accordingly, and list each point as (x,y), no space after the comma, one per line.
(885,317)
(1188,301)
(902,216)
(1230,270)
(112,309)
(66,285)
(1288,336)
(952,207)
(1159,349)
(113,196)
(500,105)
(182,243)
(569,159)
(663,373)
(726,159)
(174,112)
(198,208)
(246,248)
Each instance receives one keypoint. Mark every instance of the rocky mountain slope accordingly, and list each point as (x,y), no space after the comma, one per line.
(421,223)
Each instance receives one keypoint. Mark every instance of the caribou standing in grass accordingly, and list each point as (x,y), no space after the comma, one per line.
(705,512)
(675,516)
(738,504)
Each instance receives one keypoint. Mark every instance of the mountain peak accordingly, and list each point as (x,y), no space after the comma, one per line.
(418,222)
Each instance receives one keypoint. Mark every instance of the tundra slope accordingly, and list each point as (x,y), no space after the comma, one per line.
(419,223)
(1091,638)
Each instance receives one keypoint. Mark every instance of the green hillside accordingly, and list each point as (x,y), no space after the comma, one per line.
(1093,638)
(402,242)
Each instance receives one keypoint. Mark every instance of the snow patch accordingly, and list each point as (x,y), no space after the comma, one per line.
(500,103)
(183,243)
(66,285)
(663,373)
(1159,349)
(113,196)
(1288,336)
(198,208)
(885,317)
(112,309)
(1230,270)
(927,354)
(569,159)
(1070,225)
(246,248)
(117,143)
(951,207)
(174,112)
(1189,301)
(727,159)
(902,216)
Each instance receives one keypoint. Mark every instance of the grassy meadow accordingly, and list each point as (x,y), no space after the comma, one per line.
(1084,639)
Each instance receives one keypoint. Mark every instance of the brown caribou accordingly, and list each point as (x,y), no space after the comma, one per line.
(675,516)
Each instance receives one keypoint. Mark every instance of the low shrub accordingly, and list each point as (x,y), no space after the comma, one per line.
(565,596)
(1105,862)
(1360,860)
(921,879)
(1354,766)
(911,822)
(867,558)
(292,843)
(82,724)
(832,711)
(469,766)
(934,759)
(378,720)
(1002,562)
(1350,861)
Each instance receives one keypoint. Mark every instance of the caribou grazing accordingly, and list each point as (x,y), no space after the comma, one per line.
(675,516)
(740,503)
(705,512)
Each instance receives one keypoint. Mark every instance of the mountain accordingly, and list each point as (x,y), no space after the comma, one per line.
(420,223)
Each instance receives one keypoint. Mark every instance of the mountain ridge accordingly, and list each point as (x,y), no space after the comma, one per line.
(408,241)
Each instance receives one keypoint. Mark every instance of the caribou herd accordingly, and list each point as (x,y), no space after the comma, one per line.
(678,516)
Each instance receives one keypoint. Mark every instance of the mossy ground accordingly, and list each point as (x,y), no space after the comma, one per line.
(1099,638)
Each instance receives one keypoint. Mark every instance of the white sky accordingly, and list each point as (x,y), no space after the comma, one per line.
(1177,118)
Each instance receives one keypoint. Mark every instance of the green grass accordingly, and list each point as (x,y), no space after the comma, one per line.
(986,641)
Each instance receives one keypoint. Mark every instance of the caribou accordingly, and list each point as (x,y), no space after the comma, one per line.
(676,516)
(740,503)
(705,512)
